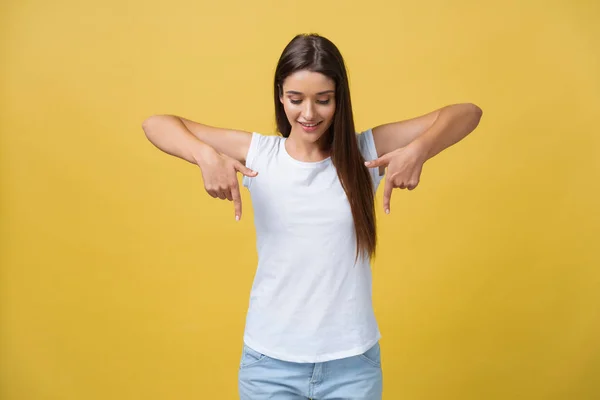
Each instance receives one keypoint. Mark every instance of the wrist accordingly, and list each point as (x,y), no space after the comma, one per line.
(202,152)
(421,147)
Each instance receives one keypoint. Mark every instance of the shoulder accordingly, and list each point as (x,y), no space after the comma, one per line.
(260,139)
(261,145)
(366,144)
(262,149)
(260,142)
(368,150)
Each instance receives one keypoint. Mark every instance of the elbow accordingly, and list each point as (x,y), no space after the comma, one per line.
(150,124)
(146,125)
(470,115)
(477,111)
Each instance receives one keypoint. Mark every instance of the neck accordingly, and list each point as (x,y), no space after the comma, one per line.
(305,150)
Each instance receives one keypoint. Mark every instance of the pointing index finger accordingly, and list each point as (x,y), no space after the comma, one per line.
(387,194)
(237,202)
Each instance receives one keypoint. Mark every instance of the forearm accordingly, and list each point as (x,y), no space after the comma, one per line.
(169,134)
(453,124)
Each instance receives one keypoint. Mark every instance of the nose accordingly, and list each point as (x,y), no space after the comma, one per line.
(308,113)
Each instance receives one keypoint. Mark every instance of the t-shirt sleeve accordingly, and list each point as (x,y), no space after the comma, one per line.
(366,146)
(260,155)
(253,150)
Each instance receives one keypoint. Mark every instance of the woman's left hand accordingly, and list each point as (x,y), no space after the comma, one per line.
(404,167)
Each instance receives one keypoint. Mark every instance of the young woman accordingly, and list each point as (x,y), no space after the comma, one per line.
(310,329)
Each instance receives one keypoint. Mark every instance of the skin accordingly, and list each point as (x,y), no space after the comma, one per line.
(308,97)
(403,146)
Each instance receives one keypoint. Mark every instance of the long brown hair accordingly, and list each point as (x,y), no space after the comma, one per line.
(317,54)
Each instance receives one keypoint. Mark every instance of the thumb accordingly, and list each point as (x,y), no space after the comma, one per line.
(244,170)
(382,161)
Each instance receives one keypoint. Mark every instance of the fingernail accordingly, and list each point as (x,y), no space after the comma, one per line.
(367,162)
(237,217)
(387,211)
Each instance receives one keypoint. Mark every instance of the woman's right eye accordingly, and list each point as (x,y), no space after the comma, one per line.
(295,101)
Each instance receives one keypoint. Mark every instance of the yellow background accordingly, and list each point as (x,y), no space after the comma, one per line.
(122,279)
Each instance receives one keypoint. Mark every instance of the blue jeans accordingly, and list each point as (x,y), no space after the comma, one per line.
(351,378)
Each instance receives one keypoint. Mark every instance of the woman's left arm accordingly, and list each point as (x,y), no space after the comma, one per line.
(403,147)
(446,125)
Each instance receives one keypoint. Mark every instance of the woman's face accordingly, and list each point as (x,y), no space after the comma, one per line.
(309,102)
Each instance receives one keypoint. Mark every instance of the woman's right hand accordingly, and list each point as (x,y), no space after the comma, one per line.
(219,173)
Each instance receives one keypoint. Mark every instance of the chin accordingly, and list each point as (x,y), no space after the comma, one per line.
(310,136)
(313,138)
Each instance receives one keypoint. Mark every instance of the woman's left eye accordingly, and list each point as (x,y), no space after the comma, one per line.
(318,101)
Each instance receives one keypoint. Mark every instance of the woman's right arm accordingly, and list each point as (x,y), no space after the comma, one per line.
(175,135)
(218,152)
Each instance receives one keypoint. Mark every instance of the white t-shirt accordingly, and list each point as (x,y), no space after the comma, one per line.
(310,301)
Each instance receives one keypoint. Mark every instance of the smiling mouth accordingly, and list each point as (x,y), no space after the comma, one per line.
(309,125)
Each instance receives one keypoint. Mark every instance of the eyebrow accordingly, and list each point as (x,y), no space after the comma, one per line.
(320,93)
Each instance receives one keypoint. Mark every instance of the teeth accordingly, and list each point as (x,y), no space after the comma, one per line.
(307,125)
